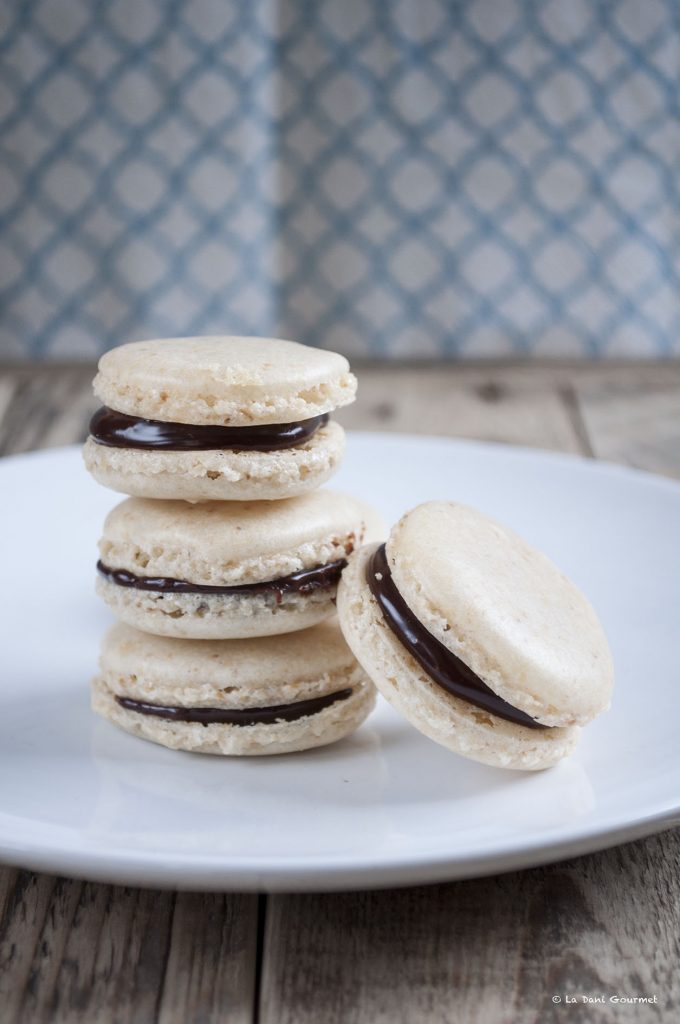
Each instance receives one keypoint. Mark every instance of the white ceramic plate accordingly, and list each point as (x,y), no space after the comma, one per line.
(385,806)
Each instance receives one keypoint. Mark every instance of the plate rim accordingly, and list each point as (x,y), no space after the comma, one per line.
(204,874)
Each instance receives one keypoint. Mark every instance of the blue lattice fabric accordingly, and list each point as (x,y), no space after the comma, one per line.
(383,177)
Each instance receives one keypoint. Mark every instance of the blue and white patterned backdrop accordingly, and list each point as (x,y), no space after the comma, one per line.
(405,178)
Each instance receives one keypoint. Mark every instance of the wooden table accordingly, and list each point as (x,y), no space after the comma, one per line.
(476,952)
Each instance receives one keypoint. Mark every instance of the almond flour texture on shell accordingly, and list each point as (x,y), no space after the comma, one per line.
(225,545)
(505,610)
(223,380)
(217,616)
(327,726)
(230,544)
(219,474)
(256,672)
(437,714)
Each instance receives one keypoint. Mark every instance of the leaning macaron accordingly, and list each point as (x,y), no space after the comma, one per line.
(274,695)
(476,637)
(220,570)
(217,418)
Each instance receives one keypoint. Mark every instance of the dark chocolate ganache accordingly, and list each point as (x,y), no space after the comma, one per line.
(237,716)
(117,430)
(303,582)
(441,665)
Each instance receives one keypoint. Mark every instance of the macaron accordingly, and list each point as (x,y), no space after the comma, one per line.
(476,637)
(272,695)
(217,418)
(222,570)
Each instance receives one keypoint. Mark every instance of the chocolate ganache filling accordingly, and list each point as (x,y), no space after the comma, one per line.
(303,582)
(237,716)
(441,665)
(117,430)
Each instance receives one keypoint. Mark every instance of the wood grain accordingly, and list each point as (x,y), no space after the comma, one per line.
(488,951)
(634,422)
(490,407)
(483,951)
(73,951)
(211,965)
(47,409)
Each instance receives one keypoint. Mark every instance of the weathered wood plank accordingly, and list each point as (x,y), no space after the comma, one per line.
(74,951)
(490,407)
(633,422)
(48,408)
(210,975)
(71,951)
(487,951)
(8,386)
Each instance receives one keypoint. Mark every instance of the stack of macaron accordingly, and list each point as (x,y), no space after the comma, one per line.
(223,564)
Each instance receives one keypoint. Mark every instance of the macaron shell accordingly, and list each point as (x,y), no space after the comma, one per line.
(216,616)
(228,380)
(234,674)
(505,610)
(454,723)
(220,475)
(198,672)
(318,730)
(228,544)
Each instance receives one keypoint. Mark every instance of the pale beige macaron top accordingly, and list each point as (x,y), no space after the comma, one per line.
(505,610)
(253,672)
(223,380)
(232,543)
